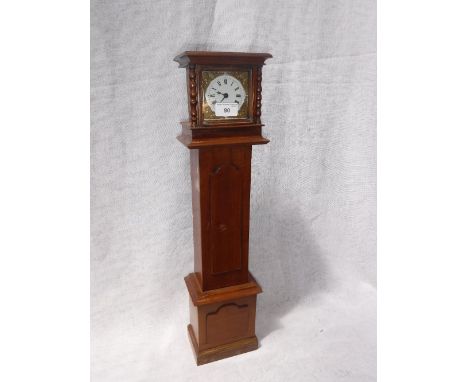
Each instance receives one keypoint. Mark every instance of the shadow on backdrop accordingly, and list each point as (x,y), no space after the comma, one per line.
(286,260)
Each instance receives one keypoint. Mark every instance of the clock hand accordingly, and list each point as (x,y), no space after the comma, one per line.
(225,95)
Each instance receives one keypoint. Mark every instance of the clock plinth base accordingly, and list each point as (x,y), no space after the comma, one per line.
(222,351)
(222,321)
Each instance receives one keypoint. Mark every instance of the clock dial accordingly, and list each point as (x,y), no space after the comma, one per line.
(225,89)
(228,87)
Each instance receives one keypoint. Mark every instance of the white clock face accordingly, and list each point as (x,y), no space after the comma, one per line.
(224,89)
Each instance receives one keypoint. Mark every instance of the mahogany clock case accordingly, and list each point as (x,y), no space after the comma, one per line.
(223,294)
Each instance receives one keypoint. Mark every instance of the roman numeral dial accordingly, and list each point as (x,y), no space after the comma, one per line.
(225,88)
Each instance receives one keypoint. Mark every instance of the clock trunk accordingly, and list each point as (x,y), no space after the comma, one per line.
(221,205)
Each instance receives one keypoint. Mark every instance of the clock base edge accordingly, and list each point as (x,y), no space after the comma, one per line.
(217,353)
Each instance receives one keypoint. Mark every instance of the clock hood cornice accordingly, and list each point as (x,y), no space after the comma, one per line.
(219,58)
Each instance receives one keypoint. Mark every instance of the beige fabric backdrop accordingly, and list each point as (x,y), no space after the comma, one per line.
(313,240)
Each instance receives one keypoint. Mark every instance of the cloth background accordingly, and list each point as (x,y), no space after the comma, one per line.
(313,199)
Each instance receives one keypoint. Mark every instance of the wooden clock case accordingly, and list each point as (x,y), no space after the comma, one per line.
(222,292)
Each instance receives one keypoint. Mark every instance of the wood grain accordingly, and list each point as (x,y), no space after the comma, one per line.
(200,297)
(221,209)
(222,351)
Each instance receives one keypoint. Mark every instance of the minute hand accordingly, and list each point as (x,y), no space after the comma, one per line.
(224,96)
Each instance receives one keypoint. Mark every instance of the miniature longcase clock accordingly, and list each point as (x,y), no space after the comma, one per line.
(224,103)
